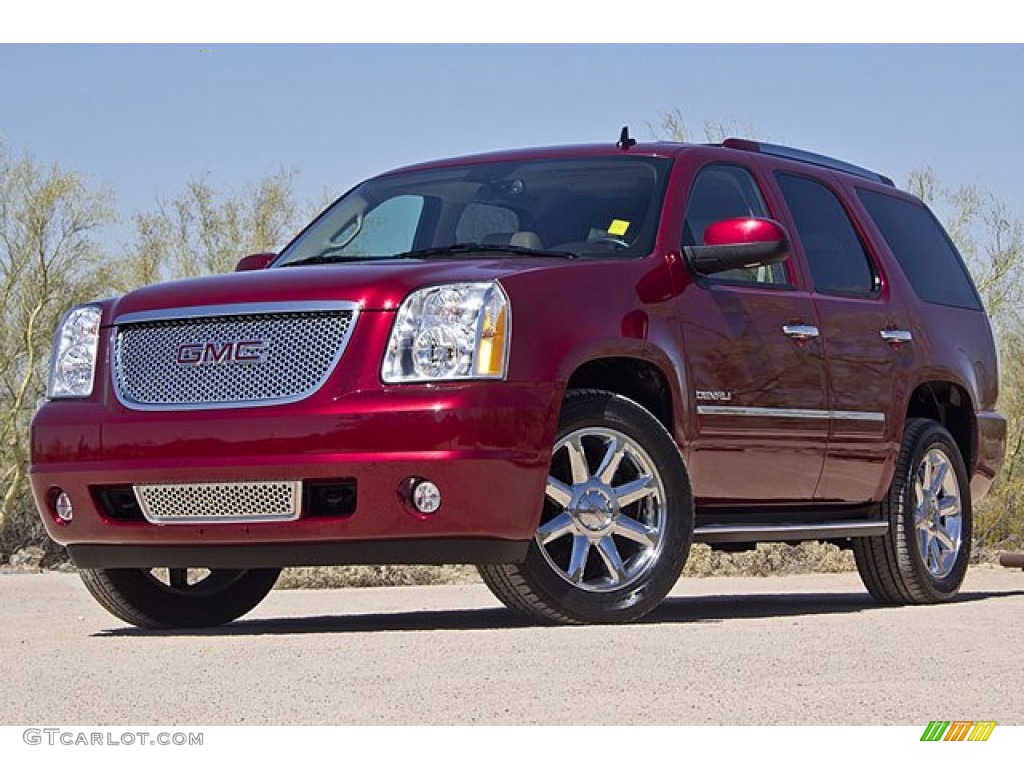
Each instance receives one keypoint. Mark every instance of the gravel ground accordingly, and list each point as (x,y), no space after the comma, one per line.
(806,649)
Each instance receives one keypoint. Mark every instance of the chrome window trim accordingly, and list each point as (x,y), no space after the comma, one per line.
(230,310)
(788,413)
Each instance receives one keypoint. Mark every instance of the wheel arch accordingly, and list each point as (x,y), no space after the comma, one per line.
(951,405)
(639,379)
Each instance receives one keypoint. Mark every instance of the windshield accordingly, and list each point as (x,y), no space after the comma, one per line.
(586,207)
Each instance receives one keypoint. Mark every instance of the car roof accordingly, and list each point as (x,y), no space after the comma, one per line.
(653,149)
(668,149)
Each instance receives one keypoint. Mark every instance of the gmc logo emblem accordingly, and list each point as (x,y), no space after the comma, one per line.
(218,352)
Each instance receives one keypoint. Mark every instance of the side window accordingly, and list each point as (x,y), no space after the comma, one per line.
(835,253)
(728,192)
(924,251)
(389,228)
(479,220)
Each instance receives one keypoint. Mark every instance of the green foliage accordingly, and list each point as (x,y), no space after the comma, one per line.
(48,262)
(206,231)
(991,241)
(673,127)
(1000,516)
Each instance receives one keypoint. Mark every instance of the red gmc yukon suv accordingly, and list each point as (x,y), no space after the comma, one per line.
(563,365)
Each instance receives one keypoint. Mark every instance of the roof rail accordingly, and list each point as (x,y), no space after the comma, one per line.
(777,150)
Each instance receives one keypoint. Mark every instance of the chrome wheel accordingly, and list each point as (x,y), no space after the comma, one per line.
(923,557)
(616,520)
(937,509)
(603,522)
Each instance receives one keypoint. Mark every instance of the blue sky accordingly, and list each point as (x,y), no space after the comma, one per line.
(142,119)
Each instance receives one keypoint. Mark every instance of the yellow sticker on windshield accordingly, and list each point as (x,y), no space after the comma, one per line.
(618,227)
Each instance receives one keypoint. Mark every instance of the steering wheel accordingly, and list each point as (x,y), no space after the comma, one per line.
(615,242)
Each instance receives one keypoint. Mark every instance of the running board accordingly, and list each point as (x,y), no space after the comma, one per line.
(738,534)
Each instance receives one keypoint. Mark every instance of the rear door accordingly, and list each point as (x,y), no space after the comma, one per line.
(860,324)
(755,366)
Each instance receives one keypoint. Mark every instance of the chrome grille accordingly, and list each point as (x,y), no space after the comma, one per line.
(260,356)
(273,500)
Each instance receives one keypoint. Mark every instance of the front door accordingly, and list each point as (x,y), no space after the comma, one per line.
(756,368)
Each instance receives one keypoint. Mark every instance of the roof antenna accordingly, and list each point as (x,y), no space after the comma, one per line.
(625,140)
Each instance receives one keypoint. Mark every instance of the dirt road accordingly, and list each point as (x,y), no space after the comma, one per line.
(785,650)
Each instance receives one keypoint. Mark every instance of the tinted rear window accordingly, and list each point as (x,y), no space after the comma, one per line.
(924,251)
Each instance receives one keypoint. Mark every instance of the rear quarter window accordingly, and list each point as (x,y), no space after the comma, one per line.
(923,249)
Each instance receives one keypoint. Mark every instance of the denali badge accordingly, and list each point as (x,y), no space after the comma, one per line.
(713,394)
(217,352)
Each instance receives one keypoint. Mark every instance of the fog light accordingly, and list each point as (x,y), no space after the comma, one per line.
(426,497)
(62,506)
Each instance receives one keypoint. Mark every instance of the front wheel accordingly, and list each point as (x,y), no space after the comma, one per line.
(617,520)
(173,598)
(923,556)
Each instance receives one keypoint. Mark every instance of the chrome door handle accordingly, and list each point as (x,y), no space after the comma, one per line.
(895,336)
(800,332)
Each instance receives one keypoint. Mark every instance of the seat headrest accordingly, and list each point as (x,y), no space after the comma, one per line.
(521,239)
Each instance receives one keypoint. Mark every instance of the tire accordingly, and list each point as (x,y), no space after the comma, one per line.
(617,520)
(923,556)
(179,598)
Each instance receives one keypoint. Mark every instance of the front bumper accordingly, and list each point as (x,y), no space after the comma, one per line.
(486,445)
(393,552)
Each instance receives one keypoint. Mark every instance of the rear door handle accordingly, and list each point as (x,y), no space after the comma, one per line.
(896,336)
(800,332)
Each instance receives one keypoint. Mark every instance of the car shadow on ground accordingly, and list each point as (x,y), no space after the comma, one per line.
(674,610)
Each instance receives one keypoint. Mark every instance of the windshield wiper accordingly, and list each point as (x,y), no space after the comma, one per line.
(472,248)
(458,249)
(331,258)
(318,259)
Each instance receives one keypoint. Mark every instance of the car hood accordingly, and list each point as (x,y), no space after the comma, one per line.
(374,286)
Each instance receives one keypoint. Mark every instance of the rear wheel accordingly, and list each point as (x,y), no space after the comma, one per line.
(923,556)
(617,520)
(169,598)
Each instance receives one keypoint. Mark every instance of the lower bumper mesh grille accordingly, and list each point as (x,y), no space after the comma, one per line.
(220,502)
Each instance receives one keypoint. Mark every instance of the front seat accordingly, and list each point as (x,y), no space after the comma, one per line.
(520,239)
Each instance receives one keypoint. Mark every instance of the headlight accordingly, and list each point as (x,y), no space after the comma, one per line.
(73,367)
(446,332)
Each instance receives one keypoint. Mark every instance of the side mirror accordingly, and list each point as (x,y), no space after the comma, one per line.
(254,261)
(738,243)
